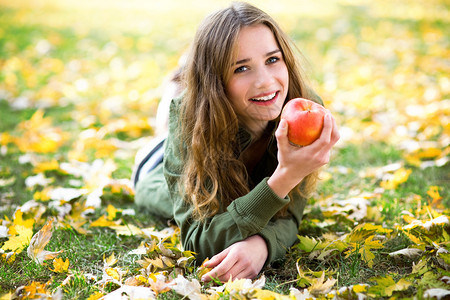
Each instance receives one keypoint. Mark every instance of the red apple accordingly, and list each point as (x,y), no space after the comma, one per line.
(305,120)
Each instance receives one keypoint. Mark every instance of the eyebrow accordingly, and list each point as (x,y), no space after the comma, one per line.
(242,61)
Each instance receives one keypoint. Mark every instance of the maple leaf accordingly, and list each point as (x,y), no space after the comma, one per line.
(112,212)
(36,248)
(158,284)
(429,231)
(35,290)
(364,230)
(60,266)
(190,289)
(387,285)
(419,268)
(20,240)
(102,222)
(128,229)
(366,248)
(309,244)
(110,260)
(320,287)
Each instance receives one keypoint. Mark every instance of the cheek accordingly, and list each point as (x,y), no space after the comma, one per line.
(284,76)
(235,89)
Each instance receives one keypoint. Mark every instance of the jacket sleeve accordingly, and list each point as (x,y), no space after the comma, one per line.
(246,216)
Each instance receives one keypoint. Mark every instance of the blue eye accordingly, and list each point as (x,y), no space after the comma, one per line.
(272,60)
(241,69)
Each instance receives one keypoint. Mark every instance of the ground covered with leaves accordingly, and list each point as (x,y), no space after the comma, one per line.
(79,86)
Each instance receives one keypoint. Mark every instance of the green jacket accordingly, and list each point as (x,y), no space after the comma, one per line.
(248,215)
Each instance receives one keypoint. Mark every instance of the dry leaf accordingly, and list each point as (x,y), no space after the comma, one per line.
(20,240)
(60,266)
(36,248)
(186,288)
(110,260)
(436,293)
(320,286)
(130,292)
(409,252)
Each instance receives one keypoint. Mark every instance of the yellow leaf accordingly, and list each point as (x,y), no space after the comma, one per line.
(268,295)
(46,166)
(18,220)
(401,285)
(102,222)
(95,296)
(363,231)
(202,270)
(436,198)
(428,231)
(320,286)
(400,176)
(366,252)
(35,290)
(111,260)
(9,258)
(386,286)
(128,229)
(60,266)
(359,288)
(112,212)
(20,240)
(36,248)
(6,296)
(113,273)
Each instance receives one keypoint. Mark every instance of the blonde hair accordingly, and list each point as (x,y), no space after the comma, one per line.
(213,175)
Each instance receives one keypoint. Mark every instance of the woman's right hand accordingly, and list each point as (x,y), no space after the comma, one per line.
(295,163)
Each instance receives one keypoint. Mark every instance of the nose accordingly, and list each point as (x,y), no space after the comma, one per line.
(264,77)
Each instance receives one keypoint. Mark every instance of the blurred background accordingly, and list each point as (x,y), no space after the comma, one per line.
(381,66)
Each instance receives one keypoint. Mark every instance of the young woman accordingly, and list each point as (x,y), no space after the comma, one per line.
(230,179)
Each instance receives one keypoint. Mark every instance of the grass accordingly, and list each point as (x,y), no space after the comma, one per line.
(371,66)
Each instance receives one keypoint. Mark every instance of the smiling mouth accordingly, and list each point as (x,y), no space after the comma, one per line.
(265,98)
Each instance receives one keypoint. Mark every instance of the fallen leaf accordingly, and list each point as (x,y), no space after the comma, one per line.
(60,266)
(128,229)
(387,285)
(186,288)
(130,292)
(436,293)
(321,287)
(36,248)
(110,260)
(409,252)
(400,176)
(20,240)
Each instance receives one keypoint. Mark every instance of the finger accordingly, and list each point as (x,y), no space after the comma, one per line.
(222,268)
(335,136)
(216,259)
(327,127)
(281,133)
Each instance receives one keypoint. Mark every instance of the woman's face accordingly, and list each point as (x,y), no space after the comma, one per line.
(258,85)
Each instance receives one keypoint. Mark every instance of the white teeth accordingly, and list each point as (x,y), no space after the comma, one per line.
(265,98)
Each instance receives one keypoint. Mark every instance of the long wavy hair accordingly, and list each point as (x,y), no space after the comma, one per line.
(213,176)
